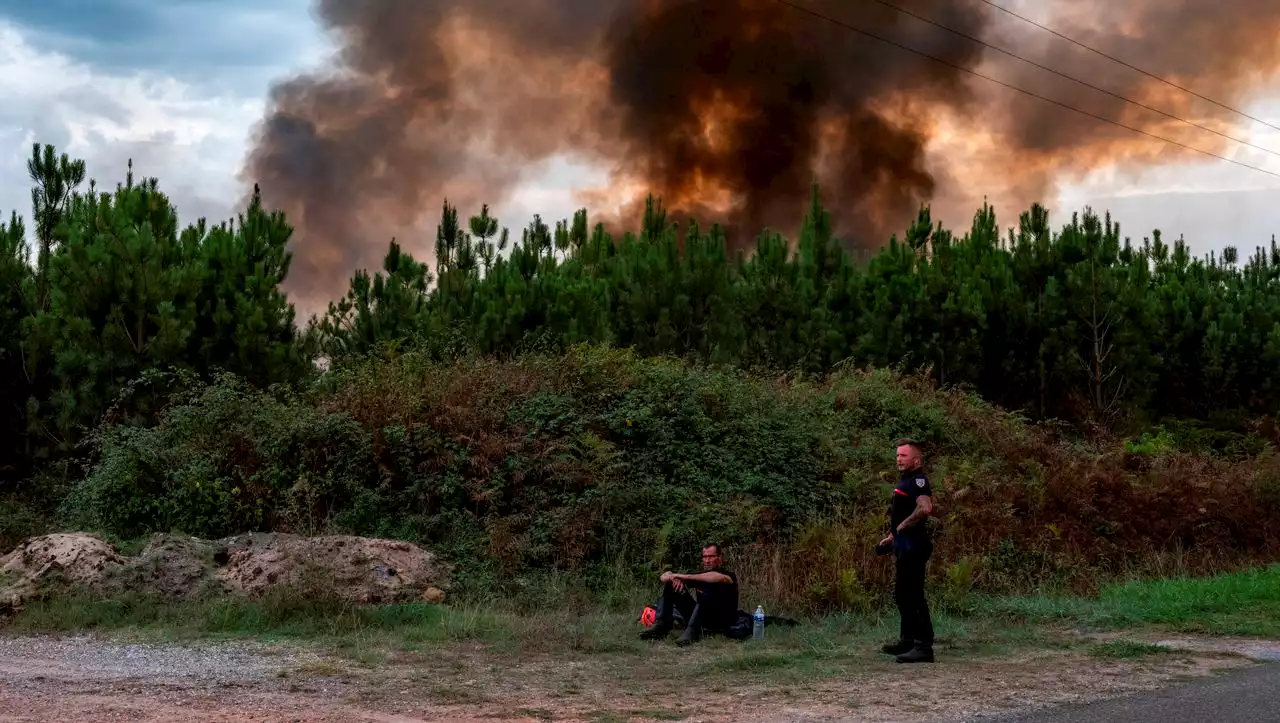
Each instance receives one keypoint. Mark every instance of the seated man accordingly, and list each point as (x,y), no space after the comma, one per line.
(714,608)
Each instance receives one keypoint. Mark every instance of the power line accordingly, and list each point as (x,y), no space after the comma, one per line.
(1073,79)
(1046,99)
(1166,81)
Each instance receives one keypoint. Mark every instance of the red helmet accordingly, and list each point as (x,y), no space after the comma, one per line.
(649,616)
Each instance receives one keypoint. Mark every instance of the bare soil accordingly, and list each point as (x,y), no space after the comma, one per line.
(90,679)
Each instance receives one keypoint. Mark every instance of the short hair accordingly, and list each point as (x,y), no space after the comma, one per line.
(716,545)
(908,442)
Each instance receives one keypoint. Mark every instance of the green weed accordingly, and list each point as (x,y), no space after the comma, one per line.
(1126,649)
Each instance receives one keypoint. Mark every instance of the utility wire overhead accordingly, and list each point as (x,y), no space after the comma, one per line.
(1112,58)
(948,63)
(1073,79)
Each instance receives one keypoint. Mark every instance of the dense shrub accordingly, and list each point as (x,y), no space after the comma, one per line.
(601,458)
(224,459)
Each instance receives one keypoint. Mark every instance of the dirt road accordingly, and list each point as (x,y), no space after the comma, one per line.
(85,679)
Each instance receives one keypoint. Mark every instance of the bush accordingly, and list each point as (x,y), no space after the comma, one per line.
(18,521)
(604,466)
(223,459)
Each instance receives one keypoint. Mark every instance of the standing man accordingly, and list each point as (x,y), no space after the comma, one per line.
(909,510)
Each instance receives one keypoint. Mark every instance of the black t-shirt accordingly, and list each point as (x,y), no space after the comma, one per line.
(719,600)
(911,486)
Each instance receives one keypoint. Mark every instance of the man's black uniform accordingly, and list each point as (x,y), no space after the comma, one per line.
(714,610)
(912,549)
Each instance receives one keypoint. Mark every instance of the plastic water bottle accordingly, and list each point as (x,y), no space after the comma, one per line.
(757,626)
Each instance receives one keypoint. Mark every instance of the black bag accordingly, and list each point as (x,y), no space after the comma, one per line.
(740,629)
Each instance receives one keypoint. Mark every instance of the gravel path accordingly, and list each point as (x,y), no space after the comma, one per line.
(93,680)
(86,657)
(85,679)
(90,680)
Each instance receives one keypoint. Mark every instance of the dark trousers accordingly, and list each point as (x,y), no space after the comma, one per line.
(908,592)
(682,603)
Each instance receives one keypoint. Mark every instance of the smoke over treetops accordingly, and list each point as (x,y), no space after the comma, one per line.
(727,109)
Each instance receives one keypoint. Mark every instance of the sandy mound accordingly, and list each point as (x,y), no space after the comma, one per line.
(357,569)
(40,563)
(173,567)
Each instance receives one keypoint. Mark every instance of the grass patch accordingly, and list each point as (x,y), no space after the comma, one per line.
(1242,603)
(455,695)
(278,616)
(570,652)
(365,634)
(760,661)
(1239,603)
(1127,649)
(554,650)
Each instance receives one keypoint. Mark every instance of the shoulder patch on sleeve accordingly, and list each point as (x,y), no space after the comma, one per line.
(920,482)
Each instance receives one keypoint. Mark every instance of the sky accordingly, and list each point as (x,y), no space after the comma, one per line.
(178,86)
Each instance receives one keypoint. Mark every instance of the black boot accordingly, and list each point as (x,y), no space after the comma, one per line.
(692,628)
(917,654)
(898,648)
(657,632)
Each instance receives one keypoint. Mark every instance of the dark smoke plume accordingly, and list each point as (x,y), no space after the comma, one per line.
(727,109)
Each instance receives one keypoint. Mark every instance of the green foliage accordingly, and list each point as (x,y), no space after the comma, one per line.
(607,465)
(573,460)
(19,519)
(223,458)
(603,404)
(1079,324)
(1221,605)
(375,311)
(120,293)
(119,302)
(244,324)
(1153,443)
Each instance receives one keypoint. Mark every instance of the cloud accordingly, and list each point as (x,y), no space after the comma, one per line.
(231,44)
(192,143)
(1207,221)
(1212,204)
(174,86)
(1203,174)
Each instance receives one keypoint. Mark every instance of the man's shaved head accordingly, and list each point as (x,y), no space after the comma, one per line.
(910,456)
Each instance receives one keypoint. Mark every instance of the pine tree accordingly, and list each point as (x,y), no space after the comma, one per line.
(122,287)
(244,322)
(16,281)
